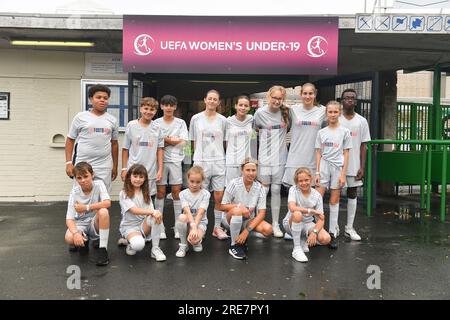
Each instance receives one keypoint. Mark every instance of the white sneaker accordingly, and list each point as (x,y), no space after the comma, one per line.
(299,255)
(277,233)
(287,236)
(163,235)
(350,232)
(122,242)
(130,251)
(198,247)
(158,254)
(304,245)
(181,253)
(169,196)
(259,235)
(177,235)
(337,231)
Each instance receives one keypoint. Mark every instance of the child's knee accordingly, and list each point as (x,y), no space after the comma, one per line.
(137,243)
(324,238)
(182,218)
(236,211)
(267,229)
(103,213)
(68,237)
(297,216)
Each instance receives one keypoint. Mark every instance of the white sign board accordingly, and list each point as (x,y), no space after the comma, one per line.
(402,23)
(103,64)
(4,105)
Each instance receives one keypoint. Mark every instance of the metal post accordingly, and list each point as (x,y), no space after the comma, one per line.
(437,110)
(429,150)
(444,182)
(413,125)
(374,114)
(130,96)
(424,170)
(369,179)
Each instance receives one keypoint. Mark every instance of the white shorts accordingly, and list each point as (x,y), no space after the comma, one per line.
(127,230)
(88,228)
(232,173)
(288,176)
(172,173)
(329,175)
(305,231)
(152,186)
(104,175)
(352,182)
(214,175)
(270,175)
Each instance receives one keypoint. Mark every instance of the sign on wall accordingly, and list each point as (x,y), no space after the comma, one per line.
(230,45)
(4,105)
(402,23)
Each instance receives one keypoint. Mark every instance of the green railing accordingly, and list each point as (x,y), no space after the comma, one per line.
(412,122)
(423,160)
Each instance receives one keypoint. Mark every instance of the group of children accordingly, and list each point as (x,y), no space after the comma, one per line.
(323,141)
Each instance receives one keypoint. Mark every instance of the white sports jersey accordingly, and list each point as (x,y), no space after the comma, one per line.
(359,131)
(237,193)
(177,128)
(332,143)
(208,136)
(98,194)
(142,144)
(130,220)
(272,137)
(195,202)
(312,201)
(304,127)
(94,135)
(241,141)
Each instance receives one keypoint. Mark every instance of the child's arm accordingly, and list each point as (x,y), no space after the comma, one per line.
(70,143)
(80,208)
(251,225)
(362,157)
(159,157)
(125,155)
(344,169)
(115,158)
(141,212)
(318,158)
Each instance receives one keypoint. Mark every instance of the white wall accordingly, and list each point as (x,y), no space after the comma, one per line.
(45,95)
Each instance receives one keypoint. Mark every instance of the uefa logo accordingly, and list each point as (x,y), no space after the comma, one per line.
(143,45)
(317,47)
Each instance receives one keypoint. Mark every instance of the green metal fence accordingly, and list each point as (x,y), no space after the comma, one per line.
(412,123)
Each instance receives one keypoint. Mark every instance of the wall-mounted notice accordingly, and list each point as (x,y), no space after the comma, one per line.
(4,105)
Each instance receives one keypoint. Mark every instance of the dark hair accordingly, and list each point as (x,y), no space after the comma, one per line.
(242,96)
(169,100)
(137,169)
(98,87)
(82,167)
(348,90)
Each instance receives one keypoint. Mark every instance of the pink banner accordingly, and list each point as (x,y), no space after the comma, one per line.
(230,45)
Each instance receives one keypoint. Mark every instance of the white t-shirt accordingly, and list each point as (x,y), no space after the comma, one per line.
(241,141)
(237,193)
(208,136)
(305,124)
(129,219)
(312,201)
(194,202)
(142,144)
(272,137)
(94,135)
(332,143)
(177,128)
(97,194)
(359,131)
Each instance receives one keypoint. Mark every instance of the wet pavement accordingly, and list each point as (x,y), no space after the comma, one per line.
(409,248)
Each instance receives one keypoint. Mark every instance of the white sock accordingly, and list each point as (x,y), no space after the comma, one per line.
(104,235)
(235,228)
(275,200)
(351,212)
(217,218)
(334,215)
(181,227)
(176,208)
(155,232)
(296,229)
(159,204)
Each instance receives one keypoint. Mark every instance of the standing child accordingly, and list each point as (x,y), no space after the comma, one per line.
(305,218)
(175,135)
(360,134)
(207,133)
(143,144)
(96,133)
(195,202)
(245,204)
(239,138)
(87,215)
(332,145)
(272,123)
(139,219)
